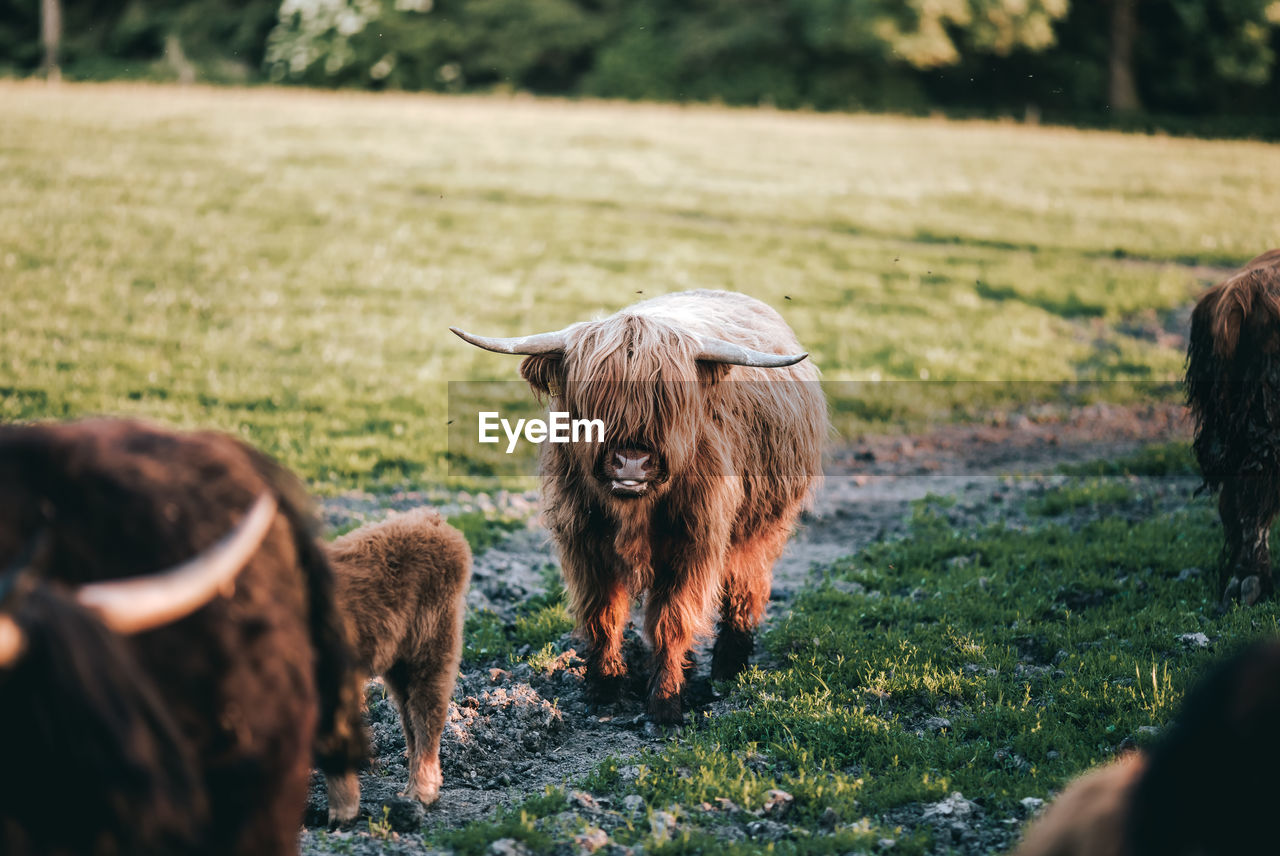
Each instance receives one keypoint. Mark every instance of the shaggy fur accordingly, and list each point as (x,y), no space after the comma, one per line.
(1233,389)
(402,587)
(1089,817)
(1206,789)
(738,450)
(247,688)
(130,774)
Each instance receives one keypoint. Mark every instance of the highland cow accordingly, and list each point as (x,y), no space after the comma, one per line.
(1233,389)
(1207,787)
(714,430)
(161,711)
(402,585)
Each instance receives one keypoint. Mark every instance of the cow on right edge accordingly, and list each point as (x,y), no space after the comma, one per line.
(1206,788)
(1233,390)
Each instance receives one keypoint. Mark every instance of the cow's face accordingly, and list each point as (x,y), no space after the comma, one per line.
(643,381)
(647,379)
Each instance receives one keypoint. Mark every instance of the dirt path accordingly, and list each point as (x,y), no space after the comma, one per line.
(513,733)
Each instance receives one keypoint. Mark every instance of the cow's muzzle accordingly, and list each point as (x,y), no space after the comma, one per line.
(631,472)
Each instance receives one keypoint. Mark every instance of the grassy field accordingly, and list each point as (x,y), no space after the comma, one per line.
(284,264)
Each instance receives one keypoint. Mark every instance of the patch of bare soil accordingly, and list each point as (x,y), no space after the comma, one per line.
(514,732)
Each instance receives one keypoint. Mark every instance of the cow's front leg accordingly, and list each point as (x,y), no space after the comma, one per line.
(676,614)
(1247,508)
(602,618)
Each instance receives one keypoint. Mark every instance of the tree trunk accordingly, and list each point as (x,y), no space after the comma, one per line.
(51,35)
(1122,90)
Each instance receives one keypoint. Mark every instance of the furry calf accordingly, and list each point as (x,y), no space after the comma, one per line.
(174,694)
(402,587)
(1208,788)
(1233,389)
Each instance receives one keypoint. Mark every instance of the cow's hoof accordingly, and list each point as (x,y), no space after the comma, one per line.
(1250,591)
(605,689)
(665,710)
(1231,594)
(730,654)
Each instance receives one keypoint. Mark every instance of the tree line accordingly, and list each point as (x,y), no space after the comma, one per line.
(1207,64)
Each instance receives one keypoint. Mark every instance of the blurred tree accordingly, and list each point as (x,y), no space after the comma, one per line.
(539,45)
(1122,88)
(51,38)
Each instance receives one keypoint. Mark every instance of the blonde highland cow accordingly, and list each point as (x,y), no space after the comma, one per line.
(714,428)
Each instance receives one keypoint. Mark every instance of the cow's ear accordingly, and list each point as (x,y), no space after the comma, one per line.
(544,372)
(710,372)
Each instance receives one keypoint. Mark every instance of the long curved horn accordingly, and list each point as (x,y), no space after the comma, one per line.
(11,641)
(145,603)
(720,351)
(538,343)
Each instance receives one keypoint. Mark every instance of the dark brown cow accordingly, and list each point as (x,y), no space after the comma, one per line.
(1207,788)
(196,732)
(714,428)
(1233,388)
(402,586)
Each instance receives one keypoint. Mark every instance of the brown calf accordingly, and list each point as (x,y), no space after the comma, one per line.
(402,586)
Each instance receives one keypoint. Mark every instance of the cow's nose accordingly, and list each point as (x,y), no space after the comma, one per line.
(631,468)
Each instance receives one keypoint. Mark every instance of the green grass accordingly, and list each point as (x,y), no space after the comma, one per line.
(1044,649)
(538,621)
(1158,459)
(1090,493)
(283,264)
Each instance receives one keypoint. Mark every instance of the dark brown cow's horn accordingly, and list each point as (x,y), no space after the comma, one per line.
(720,351)
(144,603)
(538,343)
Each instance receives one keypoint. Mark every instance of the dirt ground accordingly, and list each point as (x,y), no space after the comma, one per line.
(514,732)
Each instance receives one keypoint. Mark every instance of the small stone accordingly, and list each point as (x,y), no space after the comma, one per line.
(1187,573)
(629,773)
(886,843)
(935,723)
(1031,805)
(507,847)
(662,824)
(1052,755)
(582,800)
(591,840)
(953,806)
(829,819)
(633,803)
(498,676)
(404,815)
(1149,730)
(729,832)
(1194,640)
(847,587)
(778,803)
(767,830)
(728,805)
